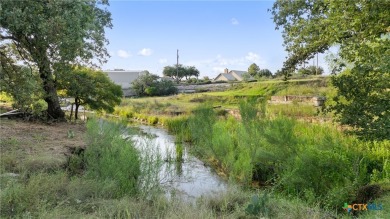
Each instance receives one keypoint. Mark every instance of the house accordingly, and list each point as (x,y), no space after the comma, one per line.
(232,75)
(124,78)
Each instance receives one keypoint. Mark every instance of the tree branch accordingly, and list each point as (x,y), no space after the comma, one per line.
(7,37)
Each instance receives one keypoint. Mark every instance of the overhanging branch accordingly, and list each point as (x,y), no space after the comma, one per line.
(7,37)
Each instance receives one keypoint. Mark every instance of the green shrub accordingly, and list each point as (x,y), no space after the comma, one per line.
(152,120)
(4,97)
(201,125)
(111,157)
(38,108)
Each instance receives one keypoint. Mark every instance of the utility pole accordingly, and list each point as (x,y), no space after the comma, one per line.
(314,64)
(317,65)
(177,67)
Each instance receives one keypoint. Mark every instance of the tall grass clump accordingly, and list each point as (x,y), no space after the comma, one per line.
(180,127)
(201,124)
(110,157)
(316,163)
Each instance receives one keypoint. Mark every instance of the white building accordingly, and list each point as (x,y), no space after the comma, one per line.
(123,77)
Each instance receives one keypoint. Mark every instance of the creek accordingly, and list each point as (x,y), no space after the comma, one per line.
(180,173)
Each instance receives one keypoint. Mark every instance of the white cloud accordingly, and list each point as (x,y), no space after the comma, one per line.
(218,70)
(253,57)
(234,21)
(162,61)
(123,54)
(145,52)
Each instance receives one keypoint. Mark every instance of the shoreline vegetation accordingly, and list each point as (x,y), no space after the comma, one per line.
(278,166)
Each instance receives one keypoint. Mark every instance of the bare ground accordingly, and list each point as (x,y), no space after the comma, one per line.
(36,144)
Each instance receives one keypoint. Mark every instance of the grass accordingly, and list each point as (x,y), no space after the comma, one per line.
(277,152)
(315,163)
(164,108)
(43,188)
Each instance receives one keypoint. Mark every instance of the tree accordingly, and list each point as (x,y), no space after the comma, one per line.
(253,70)
(179,72)
(19,81)
(279,73)
(191,71)
(311,27)
(22,84)
(144,81)
(147,84)
(265,73)
(53,34)
(361,29)
(311,70)
(246,77)
(91,88)
(165,87)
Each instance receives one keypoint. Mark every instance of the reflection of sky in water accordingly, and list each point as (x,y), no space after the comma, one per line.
(190,178)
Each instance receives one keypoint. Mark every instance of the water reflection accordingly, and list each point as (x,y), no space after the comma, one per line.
(181,173)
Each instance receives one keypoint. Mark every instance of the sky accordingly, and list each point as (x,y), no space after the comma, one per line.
(210,35)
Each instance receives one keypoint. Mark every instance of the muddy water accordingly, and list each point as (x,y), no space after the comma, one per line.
(184,176)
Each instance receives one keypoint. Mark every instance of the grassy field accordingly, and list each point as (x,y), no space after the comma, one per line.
(171,106)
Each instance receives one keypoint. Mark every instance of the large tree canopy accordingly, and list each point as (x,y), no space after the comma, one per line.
(179,72)
(53,34)
(361,29)
(312,26)
(91,88)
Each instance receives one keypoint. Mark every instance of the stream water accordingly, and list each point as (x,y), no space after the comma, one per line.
(188,178)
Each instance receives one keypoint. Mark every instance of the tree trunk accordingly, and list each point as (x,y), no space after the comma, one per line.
(71,112)
(49,86)
(76,112)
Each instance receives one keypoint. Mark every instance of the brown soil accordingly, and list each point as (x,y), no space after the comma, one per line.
(36,139)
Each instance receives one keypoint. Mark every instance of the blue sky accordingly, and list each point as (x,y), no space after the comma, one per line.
(210,35)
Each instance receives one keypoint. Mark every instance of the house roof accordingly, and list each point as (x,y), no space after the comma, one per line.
(228,76)
(240,73)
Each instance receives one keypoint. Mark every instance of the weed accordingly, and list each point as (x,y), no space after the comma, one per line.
(258,205)
(70,133)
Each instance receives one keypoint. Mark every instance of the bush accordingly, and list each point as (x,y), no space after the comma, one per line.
(38,108)
(152,120)
(111,157)
(148,85)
